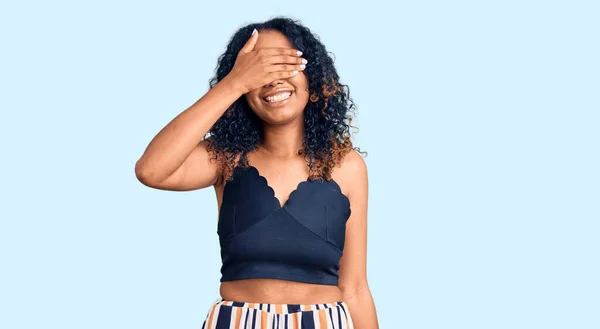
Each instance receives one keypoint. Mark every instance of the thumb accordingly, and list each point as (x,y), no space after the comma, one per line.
(249,45)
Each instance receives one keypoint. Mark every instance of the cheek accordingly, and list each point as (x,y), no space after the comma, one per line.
(300,81)
(301,84)
(252,100)
(302,95)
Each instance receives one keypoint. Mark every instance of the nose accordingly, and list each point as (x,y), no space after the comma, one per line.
(274,83)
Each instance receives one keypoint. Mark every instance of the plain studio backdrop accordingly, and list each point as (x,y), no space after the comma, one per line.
(481,120)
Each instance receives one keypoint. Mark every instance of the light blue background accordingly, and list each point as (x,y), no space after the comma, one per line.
(481,119)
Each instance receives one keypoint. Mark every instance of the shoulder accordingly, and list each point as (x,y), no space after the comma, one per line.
(353,163)
(351,174)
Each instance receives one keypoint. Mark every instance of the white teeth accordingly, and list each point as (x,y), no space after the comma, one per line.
(279,97)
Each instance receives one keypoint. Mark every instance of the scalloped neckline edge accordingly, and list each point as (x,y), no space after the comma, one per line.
(298,187)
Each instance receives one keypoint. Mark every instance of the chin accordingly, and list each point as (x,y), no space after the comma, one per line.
(281,116)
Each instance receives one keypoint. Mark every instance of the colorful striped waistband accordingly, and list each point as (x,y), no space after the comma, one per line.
(229,314)
(280,308)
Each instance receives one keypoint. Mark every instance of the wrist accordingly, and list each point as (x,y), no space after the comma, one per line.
(233,85)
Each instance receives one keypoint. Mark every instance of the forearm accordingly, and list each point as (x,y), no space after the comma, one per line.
(176,141)
(362,308)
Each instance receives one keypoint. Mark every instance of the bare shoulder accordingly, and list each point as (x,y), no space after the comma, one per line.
(352,173)
(353,163)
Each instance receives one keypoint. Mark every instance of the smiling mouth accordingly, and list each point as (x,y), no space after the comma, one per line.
(278,98)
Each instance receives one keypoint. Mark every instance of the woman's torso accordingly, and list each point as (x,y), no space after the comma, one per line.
(275,291)
(265,290)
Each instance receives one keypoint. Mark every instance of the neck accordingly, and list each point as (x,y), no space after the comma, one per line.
(283,141)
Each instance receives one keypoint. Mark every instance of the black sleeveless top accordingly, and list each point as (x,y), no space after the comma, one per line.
(300,241)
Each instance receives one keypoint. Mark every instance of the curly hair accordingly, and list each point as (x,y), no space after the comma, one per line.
(327,116)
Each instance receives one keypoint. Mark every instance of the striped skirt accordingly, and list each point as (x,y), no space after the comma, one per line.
(224,314)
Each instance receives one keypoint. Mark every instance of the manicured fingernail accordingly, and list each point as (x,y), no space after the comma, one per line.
(302,66)
(298,52)
(294,72)
(304,61)
(254,31)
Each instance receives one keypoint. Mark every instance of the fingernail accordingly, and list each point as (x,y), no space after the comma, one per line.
(298,52)
(304,61)
(302,66)
(253,31)
(295,72)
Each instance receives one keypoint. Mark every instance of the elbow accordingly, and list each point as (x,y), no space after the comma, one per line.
(144,174)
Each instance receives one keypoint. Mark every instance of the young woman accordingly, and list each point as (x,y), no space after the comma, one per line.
(290,187)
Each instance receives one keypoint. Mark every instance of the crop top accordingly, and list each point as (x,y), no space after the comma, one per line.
(302,240)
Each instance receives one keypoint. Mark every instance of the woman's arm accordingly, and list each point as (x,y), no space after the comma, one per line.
(353,264)
(177,158)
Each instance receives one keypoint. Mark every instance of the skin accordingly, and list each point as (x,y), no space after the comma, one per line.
(177,159)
